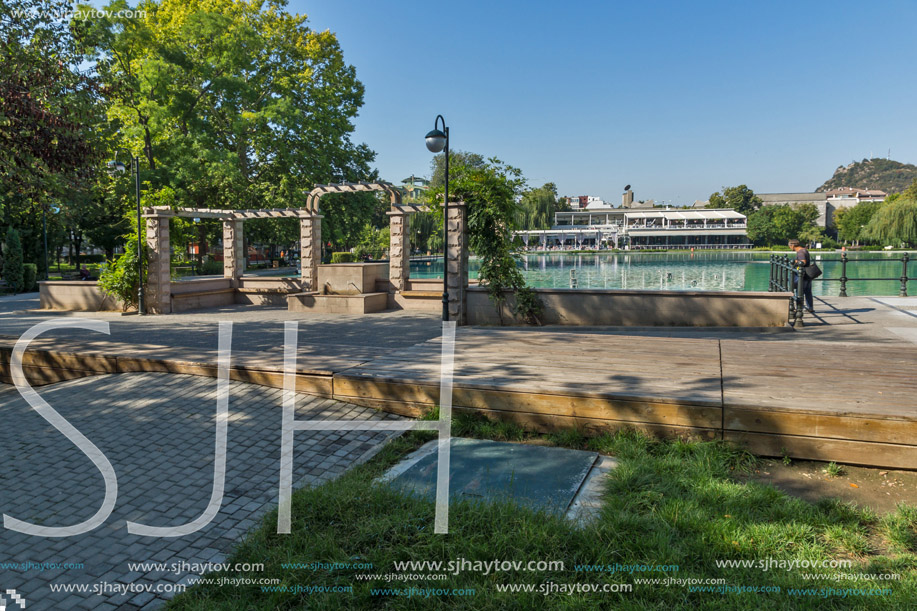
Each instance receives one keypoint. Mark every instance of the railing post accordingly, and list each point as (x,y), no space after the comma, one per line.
(797,323)
(785,273)
(843,292)
(904,260)
(770,284)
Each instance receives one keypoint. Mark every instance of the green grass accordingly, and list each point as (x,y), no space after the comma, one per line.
(667,503)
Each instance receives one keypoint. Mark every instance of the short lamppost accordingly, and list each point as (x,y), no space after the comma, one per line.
(116,167)
(437,140)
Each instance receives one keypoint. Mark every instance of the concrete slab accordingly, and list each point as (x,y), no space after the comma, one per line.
(534,476)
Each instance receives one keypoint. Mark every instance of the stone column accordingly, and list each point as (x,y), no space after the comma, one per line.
(310,250)
(457,260)
(157,294)
(233,254)
(399,267)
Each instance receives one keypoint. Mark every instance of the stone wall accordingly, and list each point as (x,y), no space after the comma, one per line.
(75,296)
(598,307)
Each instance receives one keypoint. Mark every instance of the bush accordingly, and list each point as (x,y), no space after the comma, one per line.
(12,261)
(211,268)
(342,257)
(120,279)
(29,277)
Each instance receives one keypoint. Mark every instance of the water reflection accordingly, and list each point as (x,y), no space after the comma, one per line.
(703,271)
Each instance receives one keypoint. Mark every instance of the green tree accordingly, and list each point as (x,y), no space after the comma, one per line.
(49,110)
(460,162)
(761,228)
(851,222)
(537,207)
(741,199)
(775,225)
(13,271)
(895,223)
(234,104)
(51,120)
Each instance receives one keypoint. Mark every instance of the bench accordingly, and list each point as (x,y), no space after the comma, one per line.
(421,294)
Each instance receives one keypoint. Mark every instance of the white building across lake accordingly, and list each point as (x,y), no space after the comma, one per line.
(641,229)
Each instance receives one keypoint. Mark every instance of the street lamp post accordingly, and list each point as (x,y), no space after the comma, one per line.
(44,235)
(438,140)
(114,167)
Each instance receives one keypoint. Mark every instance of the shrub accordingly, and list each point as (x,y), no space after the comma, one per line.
(120,279)
(211,268)
(12,261)
(29,277)
(342,257)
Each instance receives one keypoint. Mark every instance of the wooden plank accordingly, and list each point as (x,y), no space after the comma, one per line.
(547,423)
(886,455)
(612,408)
(674,396)
(879,429)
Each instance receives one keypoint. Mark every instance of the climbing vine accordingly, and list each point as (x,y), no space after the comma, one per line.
(490,190)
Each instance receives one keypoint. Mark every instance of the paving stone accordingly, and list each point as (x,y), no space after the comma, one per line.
(157,431)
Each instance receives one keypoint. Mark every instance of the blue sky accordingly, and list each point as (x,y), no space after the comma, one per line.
(675,98)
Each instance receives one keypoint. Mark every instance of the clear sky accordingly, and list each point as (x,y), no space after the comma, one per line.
(676,98)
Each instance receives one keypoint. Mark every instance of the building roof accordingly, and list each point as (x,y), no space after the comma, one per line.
(680,215)
(770,198)
(857,192)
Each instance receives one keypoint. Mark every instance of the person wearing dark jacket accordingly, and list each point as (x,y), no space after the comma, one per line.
(803,260)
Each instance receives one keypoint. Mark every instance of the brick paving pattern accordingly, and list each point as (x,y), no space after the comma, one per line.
(158,432)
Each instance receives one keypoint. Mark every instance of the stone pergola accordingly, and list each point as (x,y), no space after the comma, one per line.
(158,290)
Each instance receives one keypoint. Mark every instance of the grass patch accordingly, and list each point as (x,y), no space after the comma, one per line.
(676,503)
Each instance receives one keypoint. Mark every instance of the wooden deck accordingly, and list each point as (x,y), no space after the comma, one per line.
(854,403)
(807,399)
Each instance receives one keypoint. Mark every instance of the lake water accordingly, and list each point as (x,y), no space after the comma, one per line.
(705,271)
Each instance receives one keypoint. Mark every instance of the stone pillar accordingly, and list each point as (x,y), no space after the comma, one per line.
(157,294)
(233,254)
(310,250)
(399,266)
(457,260)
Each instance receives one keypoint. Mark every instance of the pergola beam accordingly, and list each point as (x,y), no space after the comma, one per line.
(227,215)
(312,201)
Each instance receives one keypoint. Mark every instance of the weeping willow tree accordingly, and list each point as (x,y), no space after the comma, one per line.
(537,207)
(895,223)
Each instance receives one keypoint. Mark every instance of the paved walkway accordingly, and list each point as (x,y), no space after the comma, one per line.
(158,432)
(157,428)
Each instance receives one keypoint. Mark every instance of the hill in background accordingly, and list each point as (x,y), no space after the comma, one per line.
(885,174)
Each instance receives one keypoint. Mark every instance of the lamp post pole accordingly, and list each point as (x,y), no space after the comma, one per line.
(135,166)
(44,234)
(438,140)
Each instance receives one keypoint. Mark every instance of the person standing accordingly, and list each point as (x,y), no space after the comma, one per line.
(803,260)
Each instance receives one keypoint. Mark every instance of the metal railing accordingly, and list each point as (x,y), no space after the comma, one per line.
(783,270)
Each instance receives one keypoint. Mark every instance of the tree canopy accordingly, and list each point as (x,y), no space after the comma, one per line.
(773,225)
(741,199)
(234,104)
(895,223)
(537,207)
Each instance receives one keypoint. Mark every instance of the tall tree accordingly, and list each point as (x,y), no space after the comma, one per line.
(50,115)
(895,223)
(851,222)
(741,199)
(232,103)
(539,205)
